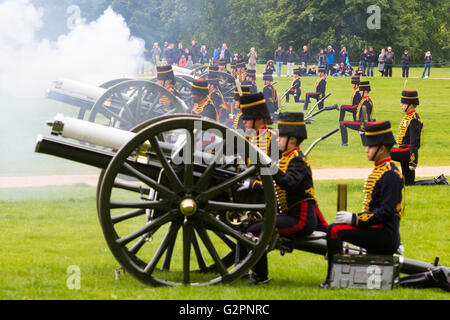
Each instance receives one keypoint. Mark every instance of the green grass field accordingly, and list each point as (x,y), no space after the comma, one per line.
(43,231)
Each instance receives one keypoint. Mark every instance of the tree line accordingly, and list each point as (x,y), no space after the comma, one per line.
(416,25)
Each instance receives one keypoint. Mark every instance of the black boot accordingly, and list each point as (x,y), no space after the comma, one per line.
(260,272)
(436,278)
(344,135)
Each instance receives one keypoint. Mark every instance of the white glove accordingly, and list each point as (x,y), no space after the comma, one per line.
(412,167)
(244,186)
(343,217)
(401,249)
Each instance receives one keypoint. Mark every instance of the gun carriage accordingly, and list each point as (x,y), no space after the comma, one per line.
(167,200)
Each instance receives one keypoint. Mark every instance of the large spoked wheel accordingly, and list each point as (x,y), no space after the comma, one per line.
(187,230)
(129,103)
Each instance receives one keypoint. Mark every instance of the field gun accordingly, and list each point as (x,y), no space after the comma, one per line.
(168,205)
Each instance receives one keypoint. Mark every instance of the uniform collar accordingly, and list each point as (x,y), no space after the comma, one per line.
(287,153)
(411,112)
(379,163)
(261,131)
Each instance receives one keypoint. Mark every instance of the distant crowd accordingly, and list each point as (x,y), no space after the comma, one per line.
(336,64)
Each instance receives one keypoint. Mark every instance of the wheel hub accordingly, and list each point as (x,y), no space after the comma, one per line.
(188,207)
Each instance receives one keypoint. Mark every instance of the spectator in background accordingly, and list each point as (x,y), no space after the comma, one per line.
(170,54)
(302,69)
(155,54)
(203,55)
(164,50)
(363,61)
(305,56)
(343,56)
(381,62)
(330,59)
(189,62)
(252,56)
(371,58)
(406,60)
(195,52)
(225,54)
(348,70)
(389,58)
(182,61)
(270,68)
(279,58)
(428,59)
(312,71)
(179,52)
(216,54)
(290,61)
(321,59)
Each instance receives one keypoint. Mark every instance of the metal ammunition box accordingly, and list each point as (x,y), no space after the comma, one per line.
(371,272)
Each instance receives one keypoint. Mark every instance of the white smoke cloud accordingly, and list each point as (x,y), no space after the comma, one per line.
(93,53)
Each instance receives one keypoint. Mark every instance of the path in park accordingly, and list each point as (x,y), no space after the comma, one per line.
(91,180)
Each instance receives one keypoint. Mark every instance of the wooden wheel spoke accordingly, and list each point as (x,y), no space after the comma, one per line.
(214,191)
(168,238)
(220,226)
(156,223)
(187,238)
(162,190)
(130,187)
(189,160)
(205,178)
(198,253)
(168,170)
(211,249)
(127,215)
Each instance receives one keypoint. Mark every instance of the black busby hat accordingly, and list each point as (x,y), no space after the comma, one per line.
(200,88)
(165,73)
(297,71)
(364,86)
(321,69)
(245,89)
(253,106)
(378,133)
(222,62)
(292,124)
(213,75)
(410,97)
(267,76)
(356,79)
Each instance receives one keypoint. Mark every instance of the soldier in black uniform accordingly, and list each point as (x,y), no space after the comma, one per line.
(376,227)
(296,89)
(363,114)
(223,111)
(202,103)
(299,214)
(354,100)
(270,93)
(238,123)
(223,66)
(241,72)
(251,77)
(319,89)
(166,79)
(410,139)
(256,117)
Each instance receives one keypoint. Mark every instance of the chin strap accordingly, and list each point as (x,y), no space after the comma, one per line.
(376,152)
